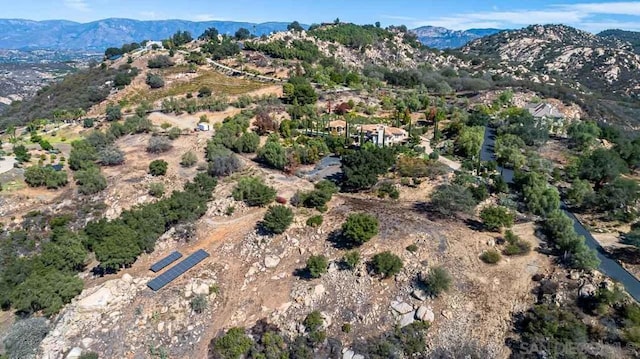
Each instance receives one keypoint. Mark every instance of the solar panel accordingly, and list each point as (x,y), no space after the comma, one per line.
(174,272)
(159,265)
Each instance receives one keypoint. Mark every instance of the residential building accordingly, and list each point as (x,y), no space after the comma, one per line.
(544,110)
(337,126)
(383,135)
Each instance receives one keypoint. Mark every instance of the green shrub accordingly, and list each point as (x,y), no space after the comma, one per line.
(156,189)
(111,156)
(113,112)
(88,122)
(234,344)
(315,221)
(491,256)
(158,167)
(317,266)
(39,176)
(388,189)
(158,144)
(89,355)
(174,133)
(317,198)
(24,337)
(154,81)
(351,259)
(360,228)
(188,159)
(160,62)
(346,328)
(90,181)
(497,217)
(552,325)
(313,321)
(412,248)
(515,245)
(277,219)
(449,199)
(437,281)
(387,264)
(253,192)
(21,153)
(273,155)
(199,303)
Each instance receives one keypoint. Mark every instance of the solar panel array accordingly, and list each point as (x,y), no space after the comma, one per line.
(174,272)
(159,265)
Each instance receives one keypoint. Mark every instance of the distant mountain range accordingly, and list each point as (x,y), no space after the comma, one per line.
(98,35)
(441,38)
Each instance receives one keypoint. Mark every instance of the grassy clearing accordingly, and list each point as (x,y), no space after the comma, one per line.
(13,186)
(65,135)
(218,83)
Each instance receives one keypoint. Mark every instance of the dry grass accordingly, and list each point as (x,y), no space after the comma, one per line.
(217,82)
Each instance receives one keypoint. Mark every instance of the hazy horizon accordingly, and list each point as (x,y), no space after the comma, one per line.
(460,15)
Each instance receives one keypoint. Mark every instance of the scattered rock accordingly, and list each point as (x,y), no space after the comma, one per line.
(86,342)
(202,289)
(587,290)
(358,356)
(160,326)
(271,261)
(75,353)
(425,314)
(419,294)
(575,275)
(348,354)
(318,291)
(401,307)
(127,278)
(96,301)
(407,319)
(447,314)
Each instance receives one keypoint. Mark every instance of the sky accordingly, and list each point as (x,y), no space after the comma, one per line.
(588,15)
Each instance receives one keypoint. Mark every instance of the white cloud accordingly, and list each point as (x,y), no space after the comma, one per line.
(610,8)
(400,18)
(587,16)
(204,17)
(149,15)
(508,19)
(79,5)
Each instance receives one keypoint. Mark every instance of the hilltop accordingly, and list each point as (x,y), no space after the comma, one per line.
(562,55)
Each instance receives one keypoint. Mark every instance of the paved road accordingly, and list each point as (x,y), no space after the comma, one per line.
(608,266)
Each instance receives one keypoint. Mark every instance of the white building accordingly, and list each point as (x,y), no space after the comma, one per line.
(383,135)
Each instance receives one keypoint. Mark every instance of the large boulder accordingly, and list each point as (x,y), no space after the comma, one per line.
(401,307)
(407,319)
(271,261)
(425,314)
(75,353)
(587,290)
(96,301)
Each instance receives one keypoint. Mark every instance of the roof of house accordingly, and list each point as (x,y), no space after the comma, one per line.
(395,131)
(369,128)
(543,110)
(338,123)
(388,130)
